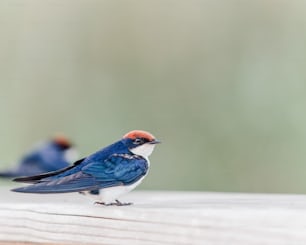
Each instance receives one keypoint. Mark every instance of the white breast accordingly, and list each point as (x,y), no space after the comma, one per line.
(109,195)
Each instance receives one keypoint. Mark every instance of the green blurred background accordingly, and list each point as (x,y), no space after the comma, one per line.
(221,83)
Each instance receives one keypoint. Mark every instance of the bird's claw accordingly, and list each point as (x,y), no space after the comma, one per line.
(117,203)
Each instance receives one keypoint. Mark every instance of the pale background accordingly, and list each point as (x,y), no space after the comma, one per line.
(221,83)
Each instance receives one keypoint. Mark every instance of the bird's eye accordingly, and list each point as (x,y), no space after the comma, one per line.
(138,141)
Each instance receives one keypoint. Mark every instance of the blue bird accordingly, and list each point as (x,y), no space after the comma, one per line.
(47,156)
(110,172)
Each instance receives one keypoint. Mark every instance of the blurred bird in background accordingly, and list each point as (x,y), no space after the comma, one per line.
(48,156)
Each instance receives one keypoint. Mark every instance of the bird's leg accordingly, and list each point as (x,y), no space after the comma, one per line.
(118,203)
(101,203)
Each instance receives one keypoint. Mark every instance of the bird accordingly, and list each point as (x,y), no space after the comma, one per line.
(110,172)
(52,155)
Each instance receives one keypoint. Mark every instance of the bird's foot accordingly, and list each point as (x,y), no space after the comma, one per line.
(100,203)
(117,203)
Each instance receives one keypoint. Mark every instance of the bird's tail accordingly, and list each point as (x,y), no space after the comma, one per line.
(9,174)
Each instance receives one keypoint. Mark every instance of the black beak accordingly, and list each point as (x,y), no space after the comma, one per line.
(153,142)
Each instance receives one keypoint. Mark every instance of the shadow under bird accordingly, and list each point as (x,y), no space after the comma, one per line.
(47,156)
(109,173)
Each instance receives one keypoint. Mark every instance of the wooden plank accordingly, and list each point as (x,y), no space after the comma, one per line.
(155,218)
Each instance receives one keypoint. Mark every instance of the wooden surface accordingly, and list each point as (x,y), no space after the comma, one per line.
(156,218)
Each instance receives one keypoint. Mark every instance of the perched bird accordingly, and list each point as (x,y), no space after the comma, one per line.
(110,172)
(47,156)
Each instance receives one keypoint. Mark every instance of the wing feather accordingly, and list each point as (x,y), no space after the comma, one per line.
(75,182)
(118,169)
(39,177)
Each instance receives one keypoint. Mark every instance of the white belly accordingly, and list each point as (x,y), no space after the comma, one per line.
(109,195)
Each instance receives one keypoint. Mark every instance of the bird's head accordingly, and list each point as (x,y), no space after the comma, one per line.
(61,142)
(65,147)
(140,142)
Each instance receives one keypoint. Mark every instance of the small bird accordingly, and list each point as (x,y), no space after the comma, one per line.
(45,157)
(110,172)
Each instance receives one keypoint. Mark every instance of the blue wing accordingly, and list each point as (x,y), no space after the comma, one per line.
(71,183)
(118,169)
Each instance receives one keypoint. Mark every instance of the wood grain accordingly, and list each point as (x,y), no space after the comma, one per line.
(155,218)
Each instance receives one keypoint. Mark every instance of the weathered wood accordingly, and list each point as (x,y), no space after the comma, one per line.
(156,218)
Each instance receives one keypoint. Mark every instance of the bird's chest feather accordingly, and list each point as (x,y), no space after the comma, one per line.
(108,195)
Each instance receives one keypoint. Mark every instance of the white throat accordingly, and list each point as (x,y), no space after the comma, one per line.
(144,150)
(71,155)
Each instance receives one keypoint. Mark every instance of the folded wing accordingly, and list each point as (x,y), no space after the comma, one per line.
(118,169)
